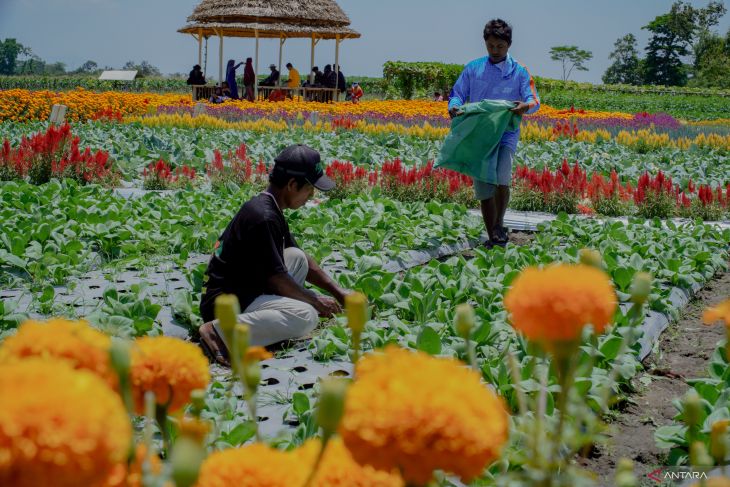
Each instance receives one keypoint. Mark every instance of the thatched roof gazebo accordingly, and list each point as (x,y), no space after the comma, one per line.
(277,19)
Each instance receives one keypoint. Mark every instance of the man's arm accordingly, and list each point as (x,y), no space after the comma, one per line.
(318,277)
(529,93)
(460,92)
(282,284)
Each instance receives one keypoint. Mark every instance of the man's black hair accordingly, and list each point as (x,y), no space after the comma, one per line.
(499,29)
(281,179)
(289,65)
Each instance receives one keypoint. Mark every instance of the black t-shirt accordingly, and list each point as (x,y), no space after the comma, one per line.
(250,251)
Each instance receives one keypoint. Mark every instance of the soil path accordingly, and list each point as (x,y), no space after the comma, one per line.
(684,353)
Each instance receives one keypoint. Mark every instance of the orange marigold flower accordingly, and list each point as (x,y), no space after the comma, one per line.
(416,413)
(338,468)
(554,304)
(58,426)
(74,342)
(255,465)
(169,367)
(256,354)
(721,312)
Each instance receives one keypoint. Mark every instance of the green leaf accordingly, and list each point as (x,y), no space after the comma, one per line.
(300,403)
(429,341)
(241,433)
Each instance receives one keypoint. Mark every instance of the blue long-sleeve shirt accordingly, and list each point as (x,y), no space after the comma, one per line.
(508,80)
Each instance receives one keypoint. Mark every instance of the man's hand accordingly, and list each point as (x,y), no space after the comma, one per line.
(454,112)
(327,306)
(520,108)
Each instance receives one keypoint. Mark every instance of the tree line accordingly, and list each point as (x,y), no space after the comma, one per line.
(17,59)
(683,49)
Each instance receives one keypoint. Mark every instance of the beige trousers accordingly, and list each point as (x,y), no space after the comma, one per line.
(275,318)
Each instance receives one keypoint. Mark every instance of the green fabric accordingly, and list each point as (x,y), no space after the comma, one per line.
(472,145)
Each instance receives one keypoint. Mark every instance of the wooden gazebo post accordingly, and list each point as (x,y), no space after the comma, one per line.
(256,68)
(311,63)
(220,57)
(200,47)
(337,67)
(282,40)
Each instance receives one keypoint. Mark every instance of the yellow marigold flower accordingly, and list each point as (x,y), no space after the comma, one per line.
(416,413)
(714,482)
(255,465)
(74,342)
(58,426)
(554,304)
(169,367)
(256,354)
(717,313)
(338,468)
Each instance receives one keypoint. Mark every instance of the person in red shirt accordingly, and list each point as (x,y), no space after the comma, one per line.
(356,93)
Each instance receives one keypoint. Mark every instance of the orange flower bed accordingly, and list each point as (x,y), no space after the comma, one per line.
(24,105)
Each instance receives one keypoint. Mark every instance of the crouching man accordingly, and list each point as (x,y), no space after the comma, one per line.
(258,260)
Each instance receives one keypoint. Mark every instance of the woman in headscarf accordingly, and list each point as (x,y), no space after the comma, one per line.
(231,78)
(249,78)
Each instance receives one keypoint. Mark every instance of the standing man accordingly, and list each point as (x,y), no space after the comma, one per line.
(258,260)
(496,76)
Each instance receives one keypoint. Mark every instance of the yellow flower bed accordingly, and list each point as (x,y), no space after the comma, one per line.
(426,131)
(642,139)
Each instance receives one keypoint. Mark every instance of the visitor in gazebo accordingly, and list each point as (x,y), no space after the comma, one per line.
(231,78)
(249,80)
(318,76)
(341,81)
(273,78)
(329,77)
(294,78)
(196,76)
(220,94)
(257,259)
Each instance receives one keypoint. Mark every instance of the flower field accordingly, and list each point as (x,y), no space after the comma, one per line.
(452,364)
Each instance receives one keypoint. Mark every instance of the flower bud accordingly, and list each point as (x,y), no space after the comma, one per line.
(252,376)
(591,257)
(464,320)
(331,404)
(226,312)
(692,408)
(718,441)
(119,357)
(698,456)
(186,459)
(625,474)
(197,400)
(356,306)
(641,287)
(241,336)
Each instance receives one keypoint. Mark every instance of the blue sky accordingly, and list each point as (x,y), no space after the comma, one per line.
(112,32)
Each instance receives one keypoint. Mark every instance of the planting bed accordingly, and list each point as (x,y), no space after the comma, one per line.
(84,236)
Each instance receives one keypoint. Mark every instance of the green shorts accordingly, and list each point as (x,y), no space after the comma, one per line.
(484,190)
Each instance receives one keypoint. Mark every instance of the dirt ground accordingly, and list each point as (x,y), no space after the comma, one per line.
(684,352)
